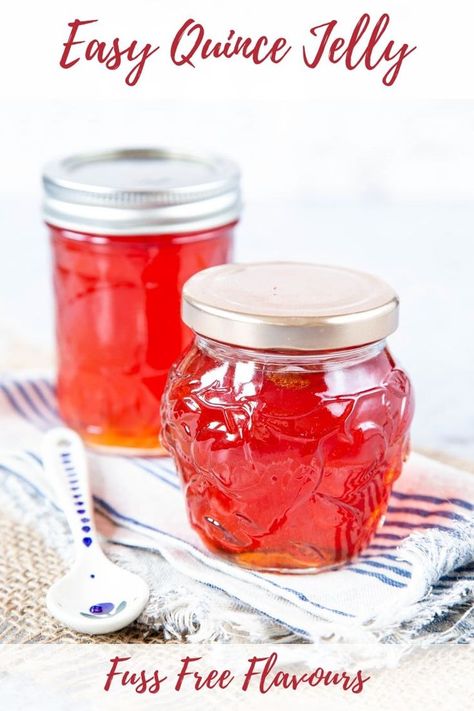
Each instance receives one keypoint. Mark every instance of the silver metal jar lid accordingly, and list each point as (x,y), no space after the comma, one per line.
(289,306)
(141,191)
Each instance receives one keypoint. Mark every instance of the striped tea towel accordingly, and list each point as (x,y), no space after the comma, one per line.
(419,566)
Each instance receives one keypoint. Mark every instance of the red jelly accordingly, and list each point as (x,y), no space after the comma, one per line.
(128,229)
(288,454)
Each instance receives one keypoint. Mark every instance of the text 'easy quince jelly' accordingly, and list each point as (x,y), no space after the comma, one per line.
(128,228)
(288,417)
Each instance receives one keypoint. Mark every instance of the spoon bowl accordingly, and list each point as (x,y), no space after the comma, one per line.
(95,596)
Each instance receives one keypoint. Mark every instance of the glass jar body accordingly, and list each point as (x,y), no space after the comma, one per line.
(287,460)
(118,327)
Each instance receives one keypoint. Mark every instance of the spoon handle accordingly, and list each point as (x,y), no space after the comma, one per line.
(65,462)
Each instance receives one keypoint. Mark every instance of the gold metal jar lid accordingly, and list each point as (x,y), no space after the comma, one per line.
(289,306)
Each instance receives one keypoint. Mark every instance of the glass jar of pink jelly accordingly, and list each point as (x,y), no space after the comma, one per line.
(127,229)
(288,417)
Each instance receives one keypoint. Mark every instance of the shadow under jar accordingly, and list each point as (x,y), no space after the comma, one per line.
(288,418)
(128,228)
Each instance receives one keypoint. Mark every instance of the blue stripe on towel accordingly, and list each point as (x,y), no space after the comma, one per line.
(23,407)
(446,583)
(461,573)
(410,525)
(15,405)
(155,472)
(35,457)
(170,471)
(389,536)
(382,578)
(156,465)
(392,568)
(390,556)
(50,385)
(34,408)
(425,513)
(51,409)
(299,594)
(433,500)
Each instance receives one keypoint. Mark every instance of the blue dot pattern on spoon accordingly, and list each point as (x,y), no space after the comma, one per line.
(71,474)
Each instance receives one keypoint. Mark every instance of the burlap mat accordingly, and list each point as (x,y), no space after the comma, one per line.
(28,568)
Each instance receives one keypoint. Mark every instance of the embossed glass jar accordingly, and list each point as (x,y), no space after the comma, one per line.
(288,417)
(128,228)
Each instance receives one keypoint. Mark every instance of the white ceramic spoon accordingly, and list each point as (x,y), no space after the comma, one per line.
(95,596)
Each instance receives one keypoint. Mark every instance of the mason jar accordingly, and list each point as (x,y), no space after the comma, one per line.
(127,229)
(288,417)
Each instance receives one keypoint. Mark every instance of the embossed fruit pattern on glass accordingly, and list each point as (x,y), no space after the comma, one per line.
(287,460)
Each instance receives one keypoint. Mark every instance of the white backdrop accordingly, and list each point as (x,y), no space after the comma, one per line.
(381,182)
